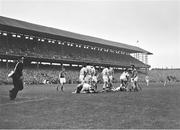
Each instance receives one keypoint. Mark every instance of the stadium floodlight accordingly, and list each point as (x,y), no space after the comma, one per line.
(4,60)
(66,64)
(80,65)
(14,35)
(31,38)
(18,36)
(33,62)
(74,65)
(10,60)
(63,42)
(58,64)
(42,40)
(97,67)
(4,34)
(45,63)
(26,37)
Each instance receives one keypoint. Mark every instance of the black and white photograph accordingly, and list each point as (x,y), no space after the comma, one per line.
(89,64)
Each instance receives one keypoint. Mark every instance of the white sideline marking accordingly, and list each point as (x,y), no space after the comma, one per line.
(17,97)
(20,102)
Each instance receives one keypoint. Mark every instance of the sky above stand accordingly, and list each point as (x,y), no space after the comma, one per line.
(154,23)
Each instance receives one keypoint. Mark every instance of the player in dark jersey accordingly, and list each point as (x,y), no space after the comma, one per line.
(62,79)
(134,78)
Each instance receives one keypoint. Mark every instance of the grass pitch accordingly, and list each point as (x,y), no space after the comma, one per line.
(41,106)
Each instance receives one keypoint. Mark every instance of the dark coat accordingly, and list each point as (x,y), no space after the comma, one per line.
(17,76)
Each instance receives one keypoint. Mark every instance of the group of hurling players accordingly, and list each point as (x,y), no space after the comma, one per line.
(88,78)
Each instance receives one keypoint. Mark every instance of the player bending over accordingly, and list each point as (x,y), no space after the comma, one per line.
(124,77)
(82,76)
(88,80)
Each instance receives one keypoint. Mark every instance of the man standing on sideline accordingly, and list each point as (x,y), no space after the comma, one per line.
(62,79)
(17,77)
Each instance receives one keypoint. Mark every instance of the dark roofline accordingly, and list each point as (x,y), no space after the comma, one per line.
(39,28)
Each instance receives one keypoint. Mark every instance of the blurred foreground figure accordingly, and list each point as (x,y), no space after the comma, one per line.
(17,77)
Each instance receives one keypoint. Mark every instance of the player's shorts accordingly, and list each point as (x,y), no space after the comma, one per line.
(105,79)
(87,78)
(94,79)
(62,80)
(111,78)
(134,79)
(81,78)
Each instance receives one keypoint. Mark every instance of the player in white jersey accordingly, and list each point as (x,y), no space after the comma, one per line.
(105,76)
(94,79)
(85,79)
(110,74)
(82,74)
(93,71)
(88,74)
(123,81)
(87,88)
(124,77)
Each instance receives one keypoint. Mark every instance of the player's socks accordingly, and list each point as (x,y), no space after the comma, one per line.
(62,89)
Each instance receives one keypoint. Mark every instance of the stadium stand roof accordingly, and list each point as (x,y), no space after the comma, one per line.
(34,27)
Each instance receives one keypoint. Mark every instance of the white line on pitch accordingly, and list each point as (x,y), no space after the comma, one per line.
(20,102)
(18,97)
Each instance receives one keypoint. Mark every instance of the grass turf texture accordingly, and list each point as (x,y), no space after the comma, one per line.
(44,107)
